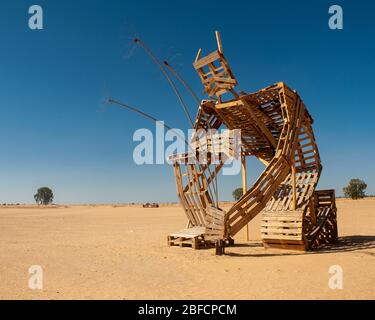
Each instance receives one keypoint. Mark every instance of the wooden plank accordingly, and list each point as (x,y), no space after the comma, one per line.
(281,230)
(283,237)
(299,247)
(210,220)
(281,224)
(211,238)
(198,56)
(229,104)
(296,214)
(216,213)
(191,232)
(286,218)
(206,60)
(214,228)
(218,40)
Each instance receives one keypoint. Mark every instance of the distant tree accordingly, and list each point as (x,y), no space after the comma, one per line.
(355,189)
(43,196)
(237,194)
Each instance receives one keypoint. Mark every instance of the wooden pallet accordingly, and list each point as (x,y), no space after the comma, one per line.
(191,237)
(324,231)
(201,237)
(215,220)
(283,230)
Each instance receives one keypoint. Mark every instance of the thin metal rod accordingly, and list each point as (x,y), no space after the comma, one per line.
(177,75)
(171,82)
(138,41)
(195,96)
(136,110)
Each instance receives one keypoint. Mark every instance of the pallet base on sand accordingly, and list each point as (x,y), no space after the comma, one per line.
(191,237)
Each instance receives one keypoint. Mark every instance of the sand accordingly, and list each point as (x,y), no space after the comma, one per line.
(108,252)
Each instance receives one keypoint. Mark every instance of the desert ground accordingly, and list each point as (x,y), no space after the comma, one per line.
(121,252)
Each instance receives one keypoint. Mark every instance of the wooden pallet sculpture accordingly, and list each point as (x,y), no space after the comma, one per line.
(276,128)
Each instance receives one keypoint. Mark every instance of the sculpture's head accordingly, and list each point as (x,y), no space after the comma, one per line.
(214,72)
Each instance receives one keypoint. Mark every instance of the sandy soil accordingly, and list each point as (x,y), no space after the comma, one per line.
(107,252)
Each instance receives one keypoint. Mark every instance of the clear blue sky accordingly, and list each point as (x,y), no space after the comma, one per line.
(54,130)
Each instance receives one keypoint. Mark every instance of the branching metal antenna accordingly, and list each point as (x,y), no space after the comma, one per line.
(179,78)
(146,115)
(171,82)
(195,96)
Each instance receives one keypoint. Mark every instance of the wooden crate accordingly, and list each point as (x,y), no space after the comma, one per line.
(283,230)
(325,230)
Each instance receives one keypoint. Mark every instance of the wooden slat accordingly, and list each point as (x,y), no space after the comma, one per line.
(280,224)
(286,218)
(283,237)
(188,233)
(269,230)
(206,60)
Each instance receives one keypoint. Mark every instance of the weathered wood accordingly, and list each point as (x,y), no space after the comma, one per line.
(276,127)
(218,40)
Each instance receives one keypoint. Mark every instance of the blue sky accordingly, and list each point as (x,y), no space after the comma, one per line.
(55,130)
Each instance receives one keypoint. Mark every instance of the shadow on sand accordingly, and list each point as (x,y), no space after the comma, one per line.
(343,244)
